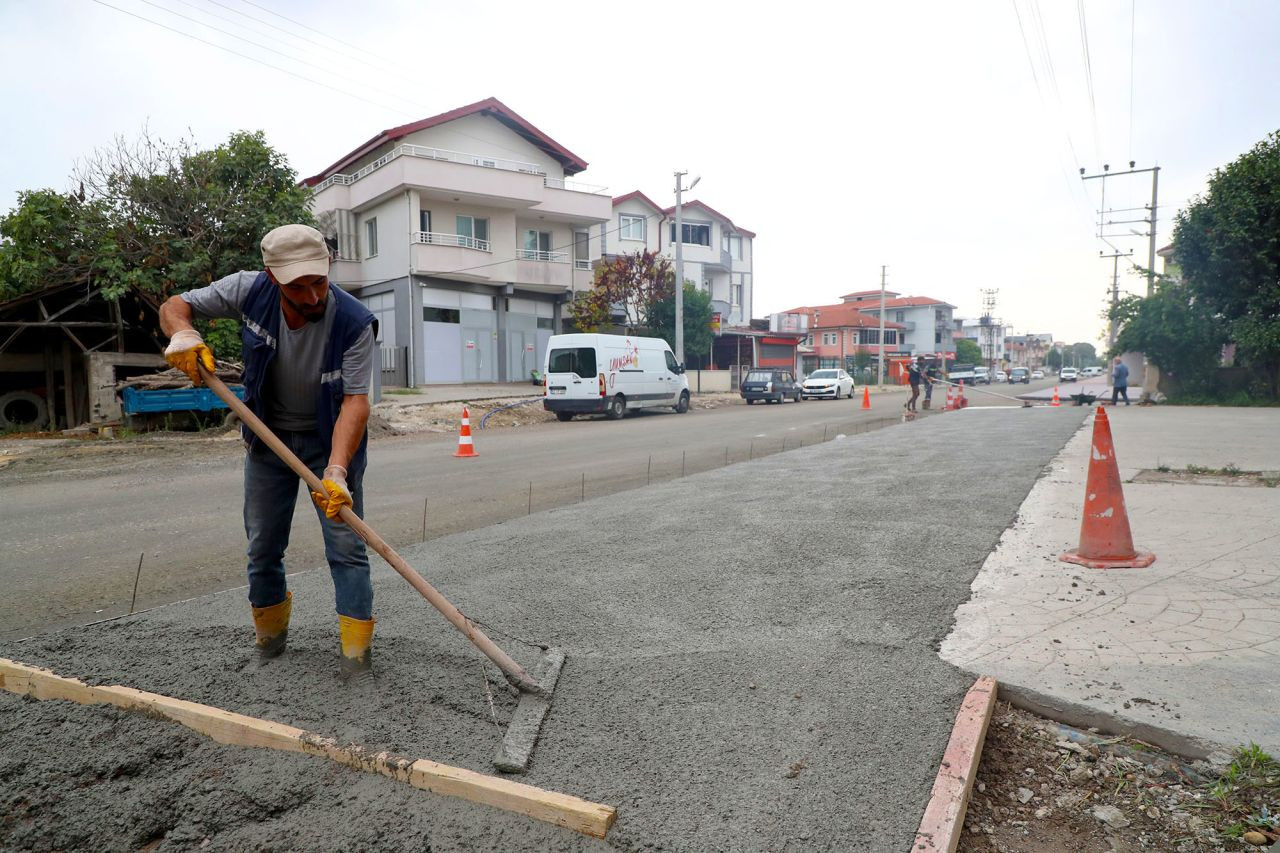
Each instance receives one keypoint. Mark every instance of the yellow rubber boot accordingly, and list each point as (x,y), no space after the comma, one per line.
(271,624)
(357,656)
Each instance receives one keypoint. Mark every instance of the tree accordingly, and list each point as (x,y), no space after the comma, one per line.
(1053,359)
(155,217)
(697,321)
(1227,244)
(631,284)
(968,352)
(1171,330)
(1083,354)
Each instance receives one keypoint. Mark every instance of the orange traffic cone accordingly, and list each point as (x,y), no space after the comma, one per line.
(466,447)
(1055,397)
(1105,539)
(866,397)
(951,399)
(961,402)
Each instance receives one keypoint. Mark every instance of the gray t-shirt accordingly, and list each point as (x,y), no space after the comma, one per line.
(293,378)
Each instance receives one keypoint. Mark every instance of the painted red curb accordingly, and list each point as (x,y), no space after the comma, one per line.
(943,819)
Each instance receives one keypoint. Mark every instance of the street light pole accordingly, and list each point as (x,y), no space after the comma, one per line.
(679,241)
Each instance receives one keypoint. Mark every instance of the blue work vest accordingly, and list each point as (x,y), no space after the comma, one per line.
(260,337)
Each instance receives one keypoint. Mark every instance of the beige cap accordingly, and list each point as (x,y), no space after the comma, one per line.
(292,251)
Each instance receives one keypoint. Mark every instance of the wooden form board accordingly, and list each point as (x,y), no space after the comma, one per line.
(228,727)
(943,819)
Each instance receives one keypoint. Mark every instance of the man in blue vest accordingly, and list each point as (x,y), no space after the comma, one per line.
(308,356)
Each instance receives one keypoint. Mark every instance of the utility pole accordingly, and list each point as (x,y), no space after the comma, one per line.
(1150,221)
(880,360)
(1115,291)
(680,265)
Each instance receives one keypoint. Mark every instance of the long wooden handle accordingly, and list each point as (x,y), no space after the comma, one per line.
(514,672)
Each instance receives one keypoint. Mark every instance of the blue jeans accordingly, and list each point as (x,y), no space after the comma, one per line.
(270,494)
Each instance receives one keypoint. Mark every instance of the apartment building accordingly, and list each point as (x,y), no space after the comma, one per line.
(926,323)
(716,252)
(463,233)
(988,333)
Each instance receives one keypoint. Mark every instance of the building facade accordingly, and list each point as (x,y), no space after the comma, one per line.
(464,234)
(841,336)
(925,323)
(716,252)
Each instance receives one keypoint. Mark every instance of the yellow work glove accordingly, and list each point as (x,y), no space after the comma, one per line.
(335,483)
(187,349)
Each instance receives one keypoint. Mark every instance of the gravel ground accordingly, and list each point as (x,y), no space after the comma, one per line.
(1045,788)
(751,666)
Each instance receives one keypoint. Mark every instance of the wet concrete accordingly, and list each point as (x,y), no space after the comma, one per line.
(751,666)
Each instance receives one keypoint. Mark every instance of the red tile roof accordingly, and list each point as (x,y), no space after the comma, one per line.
(670,211)
(909,301)
(843,316)
(573,164)
(889,294)
(636,194)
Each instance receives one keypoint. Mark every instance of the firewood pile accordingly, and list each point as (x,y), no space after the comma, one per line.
(229,372)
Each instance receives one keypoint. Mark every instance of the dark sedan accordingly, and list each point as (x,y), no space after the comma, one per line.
(772,385)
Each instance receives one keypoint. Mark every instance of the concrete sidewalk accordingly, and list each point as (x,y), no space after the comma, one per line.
(751,665)
(1191,644)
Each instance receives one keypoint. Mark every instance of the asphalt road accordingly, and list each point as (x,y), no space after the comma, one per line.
(77,523)
(751,661)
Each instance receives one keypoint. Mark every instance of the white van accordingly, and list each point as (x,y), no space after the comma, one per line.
(611,374)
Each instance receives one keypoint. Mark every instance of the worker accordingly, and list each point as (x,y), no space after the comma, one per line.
(307,349)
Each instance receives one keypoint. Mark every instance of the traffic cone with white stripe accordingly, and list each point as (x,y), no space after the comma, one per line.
(1055,402)
(466,447)
(951,399)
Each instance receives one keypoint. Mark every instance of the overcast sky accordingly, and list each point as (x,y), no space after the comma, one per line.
(846,135)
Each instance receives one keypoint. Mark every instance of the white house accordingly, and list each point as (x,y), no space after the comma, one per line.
(464,235)
(925,323)
(717,253)
(988,334)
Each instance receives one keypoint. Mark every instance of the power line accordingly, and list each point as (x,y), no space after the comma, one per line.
(312,29)
(332,88)
(1088,75)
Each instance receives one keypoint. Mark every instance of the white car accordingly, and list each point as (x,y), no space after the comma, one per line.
(1037,374)
(1000,376)
(1091,371)
(829,382)
(1069,374)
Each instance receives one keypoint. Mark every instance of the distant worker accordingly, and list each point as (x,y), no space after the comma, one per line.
(1119,381)
(914,370)
(928,376)
(308,356)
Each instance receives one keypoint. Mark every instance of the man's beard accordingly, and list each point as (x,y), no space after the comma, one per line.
(310,313)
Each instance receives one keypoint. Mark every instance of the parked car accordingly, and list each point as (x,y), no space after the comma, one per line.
(1037,374)
(830,383)
(772,385)
(1069,374)
(981,375)
(1095,370)
(1001,376)
(1019,374)
(611,374)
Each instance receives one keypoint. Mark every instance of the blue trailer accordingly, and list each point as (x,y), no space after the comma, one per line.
(146,403)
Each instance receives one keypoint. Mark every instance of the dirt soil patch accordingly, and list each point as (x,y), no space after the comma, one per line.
(1047,788)
(396,419)
(1200,476)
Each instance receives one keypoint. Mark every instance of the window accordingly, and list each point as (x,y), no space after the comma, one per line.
(473,232)
(672,364)
(441,315)
(424,220)
(829,339)
(899,316)
(890,336)
(937,337)
(760,376)
(735,247)
(371,237)
(695,233)
(736,294)
(546,323)
(579,360)
(871,336)
(631,227)
(808,340)
(537,245)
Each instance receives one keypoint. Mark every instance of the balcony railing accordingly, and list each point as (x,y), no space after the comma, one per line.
(574,186)
(581,264)
(428,153)
(464,158)
(435,238)
(551,257)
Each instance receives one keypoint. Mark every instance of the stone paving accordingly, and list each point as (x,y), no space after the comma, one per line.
(1191,644)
